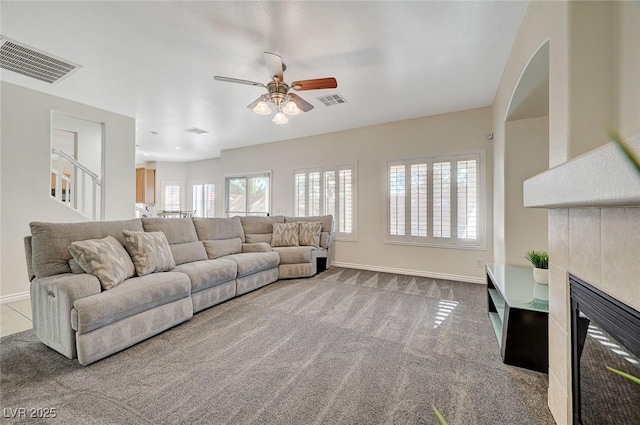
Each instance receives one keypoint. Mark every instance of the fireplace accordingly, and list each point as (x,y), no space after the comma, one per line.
(604,332)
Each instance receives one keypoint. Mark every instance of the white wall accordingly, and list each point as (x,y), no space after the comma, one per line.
(544,21)
(88,153)
(626,68)
(89,133)
(527,154)
(25,184)
(591,85)
(173,173)
(370,148)
(594,81)
(206,172)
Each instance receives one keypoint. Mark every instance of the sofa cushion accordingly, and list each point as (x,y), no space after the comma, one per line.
(254,262)
(104,258)
(294,254)
(258,238)
(177,230)
(50,241)
(131,297)
(256,247)
(222,247)
(309,233)
(149,251)
(208,273)
(188,252)
(259,229)
(182,237)
(219,228)
(284,234)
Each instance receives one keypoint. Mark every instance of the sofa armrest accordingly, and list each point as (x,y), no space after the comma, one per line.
(52,300)
(256,247)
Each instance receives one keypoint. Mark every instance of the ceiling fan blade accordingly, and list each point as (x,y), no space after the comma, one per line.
(302,104)
(274,66)
(254,103)
(236,80)
(316,84)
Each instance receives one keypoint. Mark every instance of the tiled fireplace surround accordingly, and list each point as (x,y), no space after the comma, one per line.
(594,233)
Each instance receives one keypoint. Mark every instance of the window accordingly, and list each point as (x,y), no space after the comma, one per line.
(435,200)
(171,198)
(248,195)
(204,200)
(328,190)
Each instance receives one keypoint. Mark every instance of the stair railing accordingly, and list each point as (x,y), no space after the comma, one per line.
(72,189)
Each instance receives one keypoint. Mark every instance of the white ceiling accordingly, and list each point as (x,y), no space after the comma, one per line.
(155,61)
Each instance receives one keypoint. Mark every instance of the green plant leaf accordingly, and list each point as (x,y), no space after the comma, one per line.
(539,259)
(441,418)
(625,375)
(626,149)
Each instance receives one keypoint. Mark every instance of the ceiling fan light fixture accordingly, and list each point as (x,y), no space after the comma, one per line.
(280,118)
(291,108)
(262,108)
(284,102)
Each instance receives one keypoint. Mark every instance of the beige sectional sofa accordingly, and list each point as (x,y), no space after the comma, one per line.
(213,260)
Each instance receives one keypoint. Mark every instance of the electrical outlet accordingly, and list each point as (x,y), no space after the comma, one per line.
(479,263)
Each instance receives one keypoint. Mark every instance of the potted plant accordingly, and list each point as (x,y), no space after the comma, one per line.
(540,262)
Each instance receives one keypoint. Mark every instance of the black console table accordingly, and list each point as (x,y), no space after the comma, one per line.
(519,311)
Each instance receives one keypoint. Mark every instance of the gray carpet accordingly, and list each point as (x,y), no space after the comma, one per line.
(346,347)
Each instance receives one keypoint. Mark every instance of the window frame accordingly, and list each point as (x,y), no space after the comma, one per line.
(454,242)
(247,177)
(353,167)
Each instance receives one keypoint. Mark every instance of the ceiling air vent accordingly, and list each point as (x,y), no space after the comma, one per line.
(34,63)
(196,130)
(332,99)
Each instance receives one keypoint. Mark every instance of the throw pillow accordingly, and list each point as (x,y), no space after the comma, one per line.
(285,234)
(104,258)
(75,267)
(309,233)
(149,251)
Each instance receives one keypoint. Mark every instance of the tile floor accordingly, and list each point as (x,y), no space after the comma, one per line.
(15,317)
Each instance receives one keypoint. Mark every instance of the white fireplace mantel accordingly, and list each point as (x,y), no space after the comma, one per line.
(602,177)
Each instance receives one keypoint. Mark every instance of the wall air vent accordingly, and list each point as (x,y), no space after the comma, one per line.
(34,63)
(332,99)
(196,130)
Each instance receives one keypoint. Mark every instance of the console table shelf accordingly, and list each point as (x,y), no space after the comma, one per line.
(519,319)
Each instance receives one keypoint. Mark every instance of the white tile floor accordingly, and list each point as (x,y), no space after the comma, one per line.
(15,317)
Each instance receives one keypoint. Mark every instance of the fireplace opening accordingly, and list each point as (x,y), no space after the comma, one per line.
(604,333)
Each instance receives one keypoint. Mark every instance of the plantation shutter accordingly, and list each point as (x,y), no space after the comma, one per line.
(300,197)
(171,198)
(467,184)
(198,200)
(345,201)
(419,199)
(314,193)
(442,199)
(397,200)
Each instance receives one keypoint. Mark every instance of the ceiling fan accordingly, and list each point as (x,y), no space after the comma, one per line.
(278,91)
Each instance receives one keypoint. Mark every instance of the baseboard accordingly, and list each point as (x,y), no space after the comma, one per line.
(5,299)
(410,272)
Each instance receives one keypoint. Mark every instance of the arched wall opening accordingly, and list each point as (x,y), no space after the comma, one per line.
(526,154)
